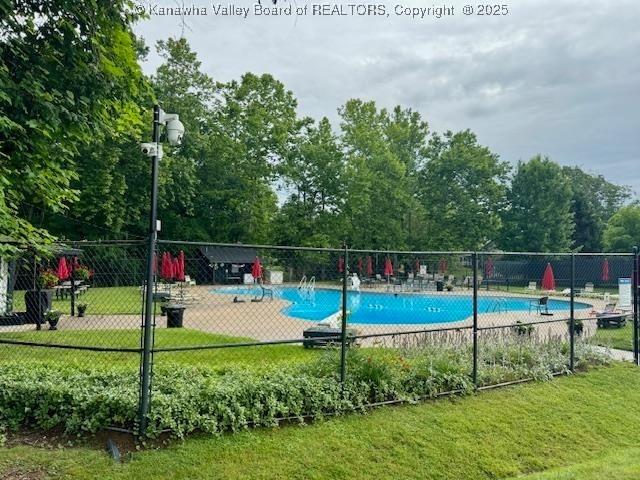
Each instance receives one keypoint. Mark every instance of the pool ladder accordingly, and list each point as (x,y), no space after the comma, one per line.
(307,285)
(499,305)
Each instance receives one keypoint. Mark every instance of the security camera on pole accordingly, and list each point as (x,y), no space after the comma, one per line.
(174,131)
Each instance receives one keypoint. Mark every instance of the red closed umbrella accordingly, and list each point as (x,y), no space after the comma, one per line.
(341,264)
(605,270)
(180,271)
(369,266)
(488,268)
(548,281)
(360,265)
(63,270)
(256,269)
(166,270)
(388,267)
(442,266)
(417,266)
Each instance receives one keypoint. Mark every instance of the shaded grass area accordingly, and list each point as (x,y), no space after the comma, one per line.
(621,464)
(100,300)
(620,338)
(264,355)
(583,420)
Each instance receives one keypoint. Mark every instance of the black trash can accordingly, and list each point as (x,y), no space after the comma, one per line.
(440,286)
(175,312)
(37,302)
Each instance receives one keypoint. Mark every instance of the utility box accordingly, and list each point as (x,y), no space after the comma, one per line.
(273,277)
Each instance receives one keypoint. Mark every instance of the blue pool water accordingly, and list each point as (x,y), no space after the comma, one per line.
(389,308)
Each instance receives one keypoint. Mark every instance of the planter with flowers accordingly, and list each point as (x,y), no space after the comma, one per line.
(82,273)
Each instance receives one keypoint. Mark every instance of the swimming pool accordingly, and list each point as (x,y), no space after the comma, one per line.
(377,308)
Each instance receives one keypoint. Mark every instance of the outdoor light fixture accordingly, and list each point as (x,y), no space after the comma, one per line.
(175,132)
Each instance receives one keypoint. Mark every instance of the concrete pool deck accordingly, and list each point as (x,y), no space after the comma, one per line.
(264,321)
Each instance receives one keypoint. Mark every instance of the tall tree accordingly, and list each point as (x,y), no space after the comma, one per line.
(462,188)
(539,216)
(314,174)
(595,200)
(623,230)
(60,72)
(378,193)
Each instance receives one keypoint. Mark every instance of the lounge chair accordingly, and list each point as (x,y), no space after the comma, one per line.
(532,286)
(541,305)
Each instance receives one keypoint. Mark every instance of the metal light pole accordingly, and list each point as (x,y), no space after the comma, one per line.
(174,130)
(148,317)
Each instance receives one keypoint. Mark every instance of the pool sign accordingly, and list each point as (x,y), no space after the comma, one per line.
(624,292)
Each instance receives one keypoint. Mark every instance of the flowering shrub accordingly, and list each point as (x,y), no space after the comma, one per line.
(187,399)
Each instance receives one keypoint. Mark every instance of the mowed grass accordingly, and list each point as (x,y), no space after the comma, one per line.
(620,338)
(621,464)
(100,300)
(253,357)
(582,427)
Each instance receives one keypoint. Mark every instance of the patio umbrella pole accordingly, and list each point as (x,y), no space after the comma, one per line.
(147,326)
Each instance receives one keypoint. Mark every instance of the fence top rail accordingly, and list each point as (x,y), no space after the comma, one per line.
(136,242)
(97,243)
(392,251)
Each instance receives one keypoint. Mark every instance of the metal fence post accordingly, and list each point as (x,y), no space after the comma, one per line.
(73,286)
(343,346)
(634,283)
(572,336)
(474,260)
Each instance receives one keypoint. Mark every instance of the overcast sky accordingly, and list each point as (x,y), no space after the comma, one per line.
(557,77)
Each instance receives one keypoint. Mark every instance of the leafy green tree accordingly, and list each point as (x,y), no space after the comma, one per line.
(407,135)
(595,200)
(623,230)
(314,174)
(255,129)
(462,188)
(65,76)
(378,191)
(539,216)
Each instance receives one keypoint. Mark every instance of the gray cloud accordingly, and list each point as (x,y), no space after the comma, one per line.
(558,78)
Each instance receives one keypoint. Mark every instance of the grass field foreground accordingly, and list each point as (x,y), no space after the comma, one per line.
(574,425)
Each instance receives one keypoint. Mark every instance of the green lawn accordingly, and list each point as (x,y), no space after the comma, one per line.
(620,338)
(623,464)
(107,300)
(575,427)
(257,357)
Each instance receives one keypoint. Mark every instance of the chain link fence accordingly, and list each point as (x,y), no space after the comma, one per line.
(493,317)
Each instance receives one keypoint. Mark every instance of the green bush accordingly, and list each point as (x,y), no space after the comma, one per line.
(187,399)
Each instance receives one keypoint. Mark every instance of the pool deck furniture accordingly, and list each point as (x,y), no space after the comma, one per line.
(320,336)
(616,320)
(610,317)
(541,305)
(63,290)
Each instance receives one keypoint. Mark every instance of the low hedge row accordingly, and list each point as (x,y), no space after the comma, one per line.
(187,399)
